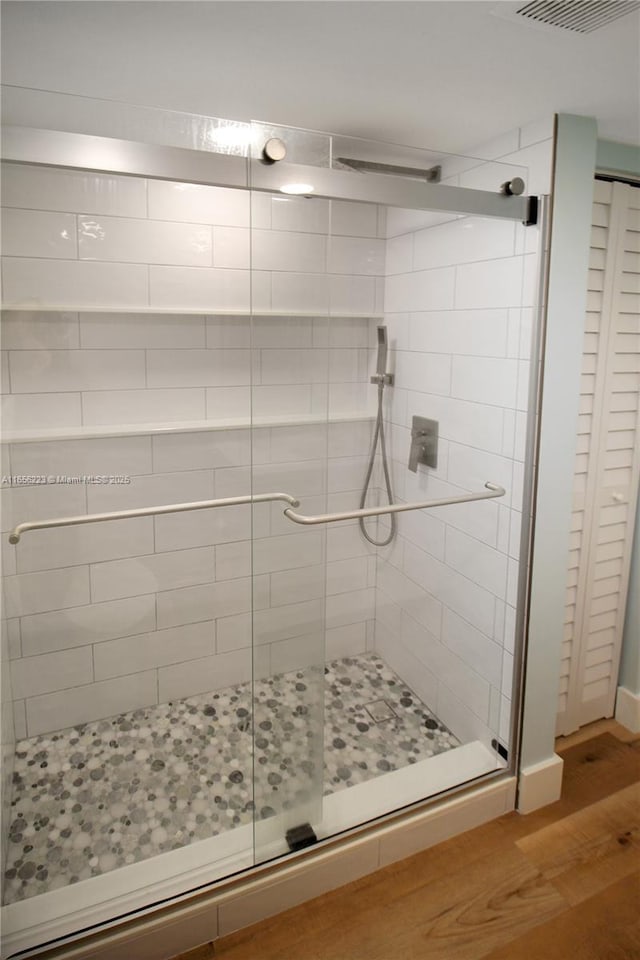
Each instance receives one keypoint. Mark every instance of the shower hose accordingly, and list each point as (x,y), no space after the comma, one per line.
(378,435)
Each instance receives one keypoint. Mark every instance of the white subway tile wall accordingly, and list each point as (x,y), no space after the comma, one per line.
(167,601)
(164,603)
(111,243)
(100,241)
(458,298)
(115,616)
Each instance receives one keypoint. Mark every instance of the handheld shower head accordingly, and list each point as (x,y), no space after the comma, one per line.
(381,367)
(381,377)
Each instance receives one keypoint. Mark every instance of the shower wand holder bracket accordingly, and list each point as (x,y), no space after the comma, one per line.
(386,379)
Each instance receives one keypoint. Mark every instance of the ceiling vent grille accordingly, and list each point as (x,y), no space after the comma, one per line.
(581,16)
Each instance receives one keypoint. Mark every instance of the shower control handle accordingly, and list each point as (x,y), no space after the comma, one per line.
(424,443)
(416,451)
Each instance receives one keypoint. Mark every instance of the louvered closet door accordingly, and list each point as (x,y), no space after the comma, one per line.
(607,463)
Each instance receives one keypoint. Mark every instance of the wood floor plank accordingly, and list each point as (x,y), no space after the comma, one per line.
(590,849)
(445,917)
(395,881)
(474,895)
(604,927)
(204,952)
(388,885)
(597,767)
(593,730)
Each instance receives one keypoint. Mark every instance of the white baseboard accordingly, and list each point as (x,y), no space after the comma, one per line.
(628,709)
(540,784)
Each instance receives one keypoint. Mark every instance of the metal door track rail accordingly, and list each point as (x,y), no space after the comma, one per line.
(494,491)
(80,151)
(16,533)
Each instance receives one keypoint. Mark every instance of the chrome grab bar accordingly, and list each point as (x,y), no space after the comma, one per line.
(16,533)
(494,491)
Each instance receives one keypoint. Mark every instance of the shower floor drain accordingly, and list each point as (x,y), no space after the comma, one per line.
(379,710)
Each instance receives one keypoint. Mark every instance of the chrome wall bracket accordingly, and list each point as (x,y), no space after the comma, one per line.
(382,378)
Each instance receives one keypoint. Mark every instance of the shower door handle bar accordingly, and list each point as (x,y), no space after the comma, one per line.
(16,533)
(494,490)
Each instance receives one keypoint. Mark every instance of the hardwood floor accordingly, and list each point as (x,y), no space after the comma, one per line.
(562,883)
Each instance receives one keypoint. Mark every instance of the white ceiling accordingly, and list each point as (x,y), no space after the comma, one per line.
(446,75)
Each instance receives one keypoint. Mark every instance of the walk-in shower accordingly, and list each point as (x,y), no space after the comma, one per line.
(242,613)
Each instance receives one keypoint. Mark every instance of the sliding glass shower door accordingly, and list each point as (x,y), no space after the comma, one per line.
(402,632)
(290,374)
(214,671)
(316,269)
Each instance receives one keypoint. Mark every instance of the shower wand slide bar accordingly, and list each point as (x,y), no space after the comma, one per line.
(16,533)
(494,491)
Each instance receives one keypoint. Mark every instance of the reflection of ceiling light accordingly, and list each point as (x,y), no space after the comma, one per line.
(298,188)
(232,135)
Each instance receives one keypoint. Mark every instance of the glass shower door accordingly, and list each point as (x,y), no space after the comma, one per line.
(316,267)
(289,402)
(211,688)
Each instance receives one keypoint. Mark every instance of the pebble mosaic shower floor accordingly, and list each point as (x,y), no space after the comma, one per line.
(109,793)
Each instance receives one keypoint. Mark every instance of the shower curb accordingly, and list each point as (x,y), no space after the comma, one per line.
(232,905)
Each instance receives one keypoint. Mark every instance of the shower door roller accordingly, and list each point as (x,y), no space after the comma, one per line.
(274,150)
(513,188)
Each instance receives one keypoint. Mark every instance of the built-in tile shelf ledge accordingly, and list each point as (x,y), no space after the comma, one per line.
(179,311)
(179,426)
